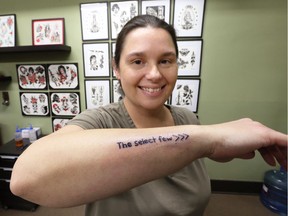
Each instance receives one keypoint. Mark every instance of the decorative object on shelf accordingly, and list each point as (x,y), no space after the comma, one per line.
(65,103)
(97,93)
(189,57)
(94,21)
(160,9)
(58,123)
(121,12)
(7,30)
(63,76)
(34,104)
(48,31)
(186,93)
(96,60)
(188,17)
(32,77)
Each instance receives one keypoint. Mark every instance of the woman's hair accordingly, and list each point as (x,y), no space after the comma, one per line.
(142,21)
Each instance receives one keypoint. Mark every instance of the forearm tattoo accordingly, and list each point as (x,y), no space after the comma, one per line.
(176,138)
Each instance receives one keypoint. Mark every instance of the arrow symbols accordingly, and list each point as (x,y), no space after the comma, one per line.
(181,137)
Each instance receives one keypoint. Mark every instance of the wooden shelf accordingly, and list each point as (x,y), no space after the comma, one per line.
(30,49)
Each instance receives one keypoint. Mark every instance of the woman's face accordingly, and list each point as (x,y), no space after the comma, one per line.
(147,68)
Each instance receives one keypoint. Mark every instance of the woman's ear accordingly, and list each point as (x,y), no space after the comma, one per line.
(115,69)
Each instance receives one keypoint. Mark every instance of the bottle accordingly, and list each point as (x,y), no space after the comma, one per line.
(274,191)
(18,137)
(32,134)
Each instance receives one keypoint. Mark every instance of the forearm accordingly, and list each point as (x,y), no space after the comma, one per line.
(67,169)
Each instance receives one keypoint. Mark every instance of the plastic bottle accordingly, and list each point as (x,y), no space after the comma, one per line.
(274,191)
(32,134)
(18,137)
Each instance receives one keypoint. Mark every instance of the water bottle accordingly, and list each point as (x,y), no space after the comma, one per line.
(274,191)
(32,134)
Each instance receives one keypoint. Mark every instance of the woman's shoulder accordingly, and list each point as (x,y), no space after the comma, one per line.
(183,115)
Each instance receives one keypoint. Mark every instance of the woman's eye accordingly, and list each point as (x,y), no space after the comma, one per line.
(137,61)
(165,61)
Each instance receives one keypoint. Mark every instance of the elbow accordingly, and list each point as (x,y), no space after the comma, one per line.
(18,186)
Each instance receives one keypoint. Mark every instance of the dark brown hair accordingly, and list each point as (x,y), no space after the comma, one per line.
(142,21)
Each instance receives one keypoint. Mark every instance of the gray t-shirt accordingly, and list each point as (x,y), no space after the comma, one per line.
(185,192)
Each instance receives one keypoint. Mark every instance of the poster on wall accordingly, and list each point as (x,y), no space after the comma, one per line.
(189,57)
(32,77)
(34,104)
(94,21)
(188,17)
(65,103)
(58,123)
(8,30)
(63,76)
(121,13)
(186,94)
(48,31)
(96,60)
(116,93)
(97,93)
(160,9)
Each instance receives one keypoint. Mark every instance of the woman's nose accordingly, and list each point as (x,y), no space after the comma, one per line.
(153,73)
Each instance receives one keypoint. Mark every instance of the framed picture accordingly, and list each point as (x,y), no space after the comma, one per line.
(186,94)
(160,9)
(121,13)
(63,76)
(32,77)
(58,123)
(188,17)
(94,21)
(97,93)
(34,104)
(8,30)
(189,58)
(116,93)
(65,103)
(96,60)
(48,32)
(113,47)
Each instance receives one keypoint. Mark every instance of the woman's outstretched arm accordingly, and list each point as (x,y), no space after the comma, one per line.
(74,166)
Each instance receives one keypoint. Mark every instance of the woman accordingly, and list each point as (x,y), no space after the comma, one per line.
(138,156)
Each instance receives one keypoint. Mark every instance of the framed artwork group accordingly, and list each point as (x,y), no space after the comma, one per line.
(102,21)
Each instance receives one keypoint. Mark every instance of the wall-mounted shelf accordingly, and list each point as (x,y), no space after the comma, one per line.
(30,49)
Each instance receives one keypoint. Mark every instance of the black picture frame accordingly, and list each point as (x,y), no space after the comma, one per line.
(186,93)
(59,122)
(188,18)
(32,76)
(65,103)
(34,104)
(63,76)
(94,21)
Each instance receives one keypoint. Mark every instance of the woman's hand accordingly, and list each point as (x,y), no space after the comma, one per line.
(241,138)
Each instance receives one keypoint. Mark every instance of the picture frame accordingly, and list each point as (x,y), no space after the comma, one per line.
(160,9)
(121,12)
(186,93)
(94,21)
(34,104)
(96,59)
(48,31)
(113,47)
(116,95)
(8,32)
(188,17)
(31,76)
(59,122)
(97,93)
(63,76)
(65,103)
(189,57)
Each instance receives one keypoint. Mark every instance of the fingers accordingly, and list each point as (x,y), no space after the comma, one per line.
(273,154)
(267,156)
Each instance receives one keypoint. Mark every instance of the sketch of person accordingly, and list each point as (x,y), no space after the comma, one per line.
(116,17)
(188,18)
(133,11)
(31,76)
(62,75)
(93,62)
(161,12)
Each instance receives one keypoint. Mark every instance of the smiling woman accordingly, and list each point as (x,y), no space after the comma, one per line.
(165,174)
